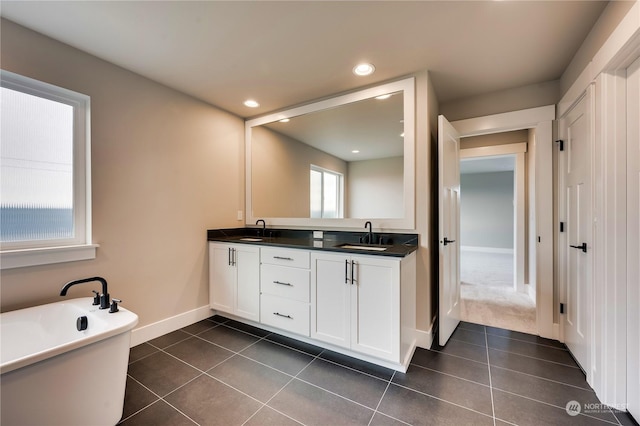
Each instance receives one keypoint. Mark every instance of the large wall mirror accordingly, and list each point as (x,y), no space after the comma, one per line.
(336,162)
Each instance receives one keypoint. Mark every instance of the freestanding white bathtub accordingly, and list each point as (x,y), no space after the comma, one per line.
(53,374)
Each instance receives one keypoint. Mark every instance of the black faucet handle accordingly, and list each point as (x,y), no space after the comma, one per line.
(104,301)
(114,305)
(96,297)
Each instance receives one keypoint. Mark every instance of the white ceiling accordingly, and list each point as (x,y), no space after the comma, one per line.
(287,53)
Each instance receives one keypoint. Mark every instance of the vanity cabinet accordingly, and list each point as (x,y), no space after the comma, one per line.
(234,279)
(360,305)
(356,302)
(284,288)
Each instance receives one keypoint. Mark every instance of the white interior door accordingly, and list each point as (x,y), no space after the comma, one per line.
(449,229)
(633,237)
(578,133)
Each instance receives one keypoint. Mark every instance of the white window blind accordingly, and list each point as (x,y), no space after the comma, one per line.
(44,167)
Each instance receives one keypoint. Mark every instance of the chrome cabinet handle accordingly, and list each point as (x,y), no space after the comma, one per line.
(282,315)
(282,258)
(229,256)
(281,283)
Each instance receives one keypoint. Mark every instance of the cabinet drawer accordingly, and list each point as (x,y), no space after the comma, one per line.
(291,283)
(285,257)
(286,314)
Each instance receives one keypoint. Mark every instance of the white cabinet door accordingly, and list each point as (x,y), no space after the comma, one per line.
(330,295)
(222,278)
(234,279)
(375,307)
(247,260)
(355,303)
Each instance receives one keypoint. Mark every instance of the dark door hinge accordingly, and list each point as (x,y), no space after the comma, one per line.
(562,308)
(560,143)
(538,239)
(561,226)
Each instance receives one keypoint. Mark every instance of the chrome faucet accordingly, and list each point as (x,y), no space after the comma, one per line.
(370,233)
(104,296)
(264,226)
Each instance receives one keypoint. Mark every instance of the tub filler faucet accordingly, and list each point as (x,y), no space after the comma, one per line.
(104,296)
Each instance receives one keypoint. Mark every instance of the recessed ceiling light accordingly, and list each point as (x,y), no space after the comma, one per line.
(284,120)
(355,151)
(383,97)
(402,135)
(251,103)
(364,69)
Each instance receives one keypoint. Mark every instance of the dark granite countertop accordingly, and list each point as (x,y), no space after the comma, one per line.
(395,245)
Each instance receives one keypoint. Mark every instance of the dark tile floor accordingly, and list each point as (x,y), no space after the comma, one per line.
(222,372)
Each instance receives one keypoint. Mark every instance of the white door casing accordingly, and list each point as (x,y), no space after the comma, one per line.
(577,132)
(449,229)
(633,239)
(540,119)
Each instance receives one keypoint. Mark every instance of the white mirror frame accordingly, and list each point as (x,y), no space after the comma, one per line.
(407,86)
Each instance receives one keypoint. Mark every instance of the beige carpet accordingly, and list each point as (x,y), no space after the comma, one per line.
(497,307)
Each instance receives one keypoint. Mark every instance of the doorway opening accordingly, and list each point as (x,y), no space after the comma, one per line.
(494,287)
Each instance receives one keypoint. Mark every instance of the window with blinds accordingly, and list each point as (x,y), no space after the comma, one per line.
(43,164)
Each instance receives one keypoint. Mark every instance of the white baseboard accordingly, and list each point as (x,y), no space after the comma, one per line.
(424,339)
(162,327)
(487,249)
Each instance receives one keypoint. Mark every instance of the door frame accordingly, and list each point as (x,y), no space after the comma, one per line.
(517,150)
(541,120)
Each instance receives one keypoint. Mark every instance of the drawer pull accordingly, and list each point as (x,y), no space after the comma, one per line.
(281,283)
(282,258)
(282,315)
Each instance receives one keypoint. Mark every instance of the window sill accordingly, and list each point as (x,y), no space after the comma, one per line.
(10,259)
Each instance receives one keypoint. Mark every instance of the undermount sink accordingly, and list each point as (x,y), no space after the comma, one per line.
(362,247)
(251,239)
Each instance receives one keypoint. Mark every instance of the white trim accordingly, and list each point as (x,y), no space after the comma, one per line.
(542,227)
(508,121)
(46,255)
(80,247)
(494,150)
(487,249)
(540,119)
(167,325)
(617,52)
(575,92)
(406,85)
(424,339)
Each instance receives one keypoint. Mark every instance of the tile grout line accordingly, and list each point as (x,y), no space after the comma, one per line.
(375,411)
(493,407)
(449,375)
(160,398)
(539,359)
(545,379)
(282,388)
(555,406)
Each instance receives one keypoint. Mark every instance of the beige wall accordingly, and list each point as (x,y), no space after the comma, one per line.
(165,168)
(534,95)
(376,188)
(280,173)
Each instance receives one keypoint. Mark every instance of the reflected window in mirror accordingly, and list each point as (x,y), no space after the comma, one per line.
(327,193)
(365,139)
